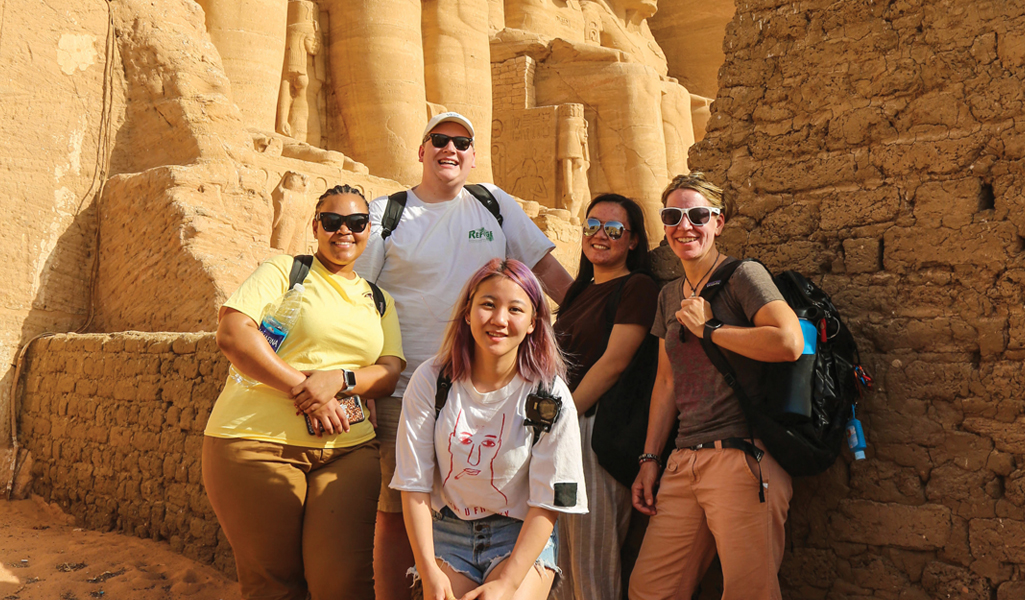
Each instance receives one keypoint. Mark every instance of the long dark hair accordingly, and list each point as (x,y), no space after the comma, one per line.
(636,260)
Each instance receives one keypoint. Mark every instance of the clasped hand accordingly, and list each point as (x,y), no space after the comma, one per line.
(315,397)
(693,314)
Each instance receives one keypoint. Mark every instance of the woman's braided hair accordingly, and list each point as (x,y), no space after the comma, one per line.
(339,190)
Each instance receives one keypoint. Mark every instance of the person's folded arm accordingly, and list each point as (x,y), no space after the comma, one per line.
(240,339)
(373,381)
(604,373)
(775,337)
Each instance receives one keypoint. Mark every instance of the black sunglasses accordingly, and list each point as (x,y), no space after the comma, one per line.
(332,222)
(698,216)
(440,140)
(613,229)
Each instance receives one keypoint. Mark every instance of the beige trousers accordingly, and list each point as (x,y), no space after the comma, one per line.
(707,502)
(298,519)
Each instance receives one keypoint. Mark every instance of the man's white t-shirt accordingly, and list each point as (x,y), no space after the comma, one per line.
(477,458)
(432,253)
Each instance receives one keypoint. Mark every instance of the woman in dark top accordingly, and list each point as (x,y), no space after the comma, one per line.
(709,499)
(614,253)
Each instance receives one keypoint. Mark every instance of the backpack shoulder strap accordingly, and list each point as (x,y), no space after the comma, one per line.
(442,386)
(720,278)
(300,269)
(392,213)
(612,306)
(486,198)
(379,300)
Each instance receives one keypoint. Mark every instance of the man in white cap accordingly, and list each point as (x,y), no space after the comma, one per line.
(442,236)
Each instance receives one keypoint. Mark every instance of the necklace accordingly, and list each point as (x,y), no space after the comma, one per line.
(694,288)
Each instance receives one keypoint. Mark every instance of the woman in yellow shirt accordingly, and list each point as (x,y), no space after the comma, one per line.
(299,508)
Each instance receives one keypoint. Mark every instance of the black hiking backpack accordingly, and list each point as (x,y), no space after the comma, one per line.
(833,377)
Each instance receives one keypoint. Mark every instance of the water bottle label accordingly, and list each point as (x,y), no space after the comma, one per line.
(273,334)
(852,436)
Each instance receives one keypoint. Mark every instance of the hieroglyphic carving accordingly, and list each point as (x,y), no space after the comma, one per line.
(526,142)
(574,160)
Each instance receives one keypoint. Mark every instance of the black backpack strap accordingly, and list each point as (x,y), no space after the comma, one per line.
(442,386)
(379,300)
(392,213)
(486,198)
(611,308)
(715,285)
(300,269)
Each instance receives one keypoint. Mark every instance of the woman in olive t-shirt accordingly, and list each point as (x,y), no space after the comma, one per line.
(708,498)
(614,253)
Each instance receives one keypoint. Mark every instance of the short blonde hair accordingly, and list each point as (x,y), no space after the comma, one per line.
(696,181)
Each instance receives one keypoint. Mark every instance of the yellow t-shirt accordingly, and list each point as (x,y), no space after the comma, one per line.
(338,328)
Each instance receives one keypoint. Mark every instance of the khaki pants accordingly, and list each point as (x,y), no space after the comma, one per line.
(298,519)
(389,411)
(708,502)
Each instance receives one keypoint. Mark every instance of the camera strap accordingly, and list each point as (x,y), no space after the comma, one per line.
(543,407)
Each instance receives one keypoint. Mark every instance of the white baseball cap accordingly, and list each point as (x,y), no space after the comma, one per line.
(447,117)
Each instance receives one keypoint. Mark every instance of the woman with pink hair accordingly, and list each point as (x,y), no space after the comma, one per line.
(488,450)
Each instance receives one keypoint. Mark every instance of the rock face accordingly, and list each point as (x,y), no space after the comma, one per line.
(156,152)
(875,147)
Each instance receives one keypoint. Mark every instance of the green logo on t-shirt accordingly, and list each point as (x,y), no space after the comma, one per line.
(481,234)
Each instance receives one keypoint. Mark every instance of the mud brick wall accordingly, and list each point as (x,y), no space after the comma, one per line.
(115,426)
(879,146)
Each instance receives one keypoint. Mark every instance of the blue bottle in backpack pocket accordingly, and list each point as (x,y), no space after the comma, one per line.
(789,385)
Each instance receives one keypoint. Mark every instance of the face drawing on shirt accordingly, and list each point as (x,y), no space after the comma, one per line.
(472,453)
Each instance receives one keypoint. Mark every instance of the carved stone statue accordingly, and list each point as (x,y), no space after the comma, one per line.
(250,37)
(639,118)
(304,64)
(288,230)
(574,160)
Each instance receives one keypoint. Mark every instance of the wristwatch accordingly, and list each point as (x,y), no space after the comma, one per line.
(350,382)
(710,326)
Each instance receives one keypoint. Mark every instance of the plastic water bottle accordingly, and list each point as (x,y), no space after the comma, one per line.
(856,437)
(277,320)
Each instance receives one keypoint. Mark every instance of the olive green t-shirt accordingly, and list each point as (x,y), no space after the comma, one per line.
(709,410)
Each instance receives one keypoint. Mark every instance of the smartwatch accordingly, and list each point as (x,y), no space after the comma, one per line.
(710,326)
(350,381)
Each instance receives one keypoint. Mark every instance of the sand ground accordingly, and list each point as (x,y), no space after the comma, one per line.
(43,555)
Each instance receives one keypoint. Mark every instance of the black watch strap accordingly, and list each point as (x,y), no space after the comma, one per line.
(710,326)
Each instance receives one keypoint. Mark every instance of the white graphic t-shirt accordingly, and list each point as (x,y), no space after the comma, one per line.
(477,458)
(431,254)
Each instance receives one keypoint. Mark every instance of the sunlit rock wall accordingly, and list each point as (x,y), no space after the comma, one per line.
(878,147)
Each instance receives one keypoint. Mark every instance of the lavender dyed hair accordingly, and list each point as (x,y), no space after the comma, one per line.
(538,357)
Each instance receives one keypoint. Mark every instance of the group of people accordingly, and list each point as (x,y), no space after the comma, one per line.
(441,428)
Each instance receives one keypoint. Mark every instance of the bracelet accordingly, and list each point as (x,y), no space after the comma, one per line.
(649,458)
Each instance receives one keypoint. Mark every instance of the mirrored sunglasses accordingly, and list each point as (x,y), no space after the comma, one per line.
(613,229)
(440,140)
(332,222)
(698,215)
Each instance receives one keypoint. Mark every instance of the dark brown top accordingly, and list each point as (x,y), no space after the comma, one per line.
(708,408)
(580,328)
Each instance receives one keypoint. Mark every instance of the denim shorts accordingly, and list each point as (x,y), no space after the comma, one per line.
(475,548)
